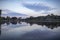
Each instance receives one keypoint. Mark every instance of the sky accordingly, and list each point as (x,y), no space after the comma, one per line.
(31,7)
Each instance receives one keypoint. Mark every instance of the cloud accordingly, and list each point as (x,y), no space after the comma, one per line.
(37,6)
(31,8)
(10,13)
(55,12)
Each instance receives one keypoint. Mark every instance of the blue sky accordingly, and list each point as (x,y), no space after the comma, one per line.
(32,7)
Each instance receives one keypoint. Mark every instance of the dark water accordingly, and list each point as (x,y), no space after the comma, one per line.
(29,31)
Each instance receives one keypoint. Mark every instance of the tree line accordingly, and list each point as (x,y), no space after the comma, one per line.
(48,18)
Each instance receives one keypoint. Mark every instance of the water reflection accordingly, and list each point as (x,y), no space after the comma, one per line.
(0,29)
(29,31)
(48,25)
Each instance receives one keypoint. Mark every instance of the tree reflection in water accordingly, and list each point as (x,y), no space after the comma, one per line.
(49,25)
(0,29)
(40,35)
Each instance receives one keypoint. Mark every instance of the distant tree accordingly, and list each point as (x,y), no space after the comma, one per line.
(0,13)
(14,18)
(48,15)
(19,18)
(52,15)
(3,18)
(31,16)
(0,16)
(8,18)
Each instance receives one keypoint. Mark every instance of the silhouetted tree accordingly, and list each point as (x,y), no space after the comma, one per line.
(8,18)
(0,17)
(31,17)
(19,18)
(0,13)
(0,22)
(14,18)
(3,18)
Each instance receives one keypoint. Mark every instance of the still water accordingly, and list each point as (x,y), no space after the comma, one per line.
(27,31)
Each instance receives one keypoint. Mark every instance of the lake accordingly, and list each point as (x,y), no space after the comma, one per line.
(29,31)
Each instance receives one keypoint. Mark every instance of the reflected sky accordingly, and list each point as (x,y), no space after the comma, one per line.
(25,31)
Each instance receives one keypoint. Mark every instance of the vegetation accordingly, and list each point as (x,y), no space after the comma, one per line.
(48,18)
(0,17)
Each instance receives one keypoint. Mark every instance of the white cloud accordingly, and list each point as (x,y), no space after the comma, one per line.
(55,12)
(19,8)
(4,12)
